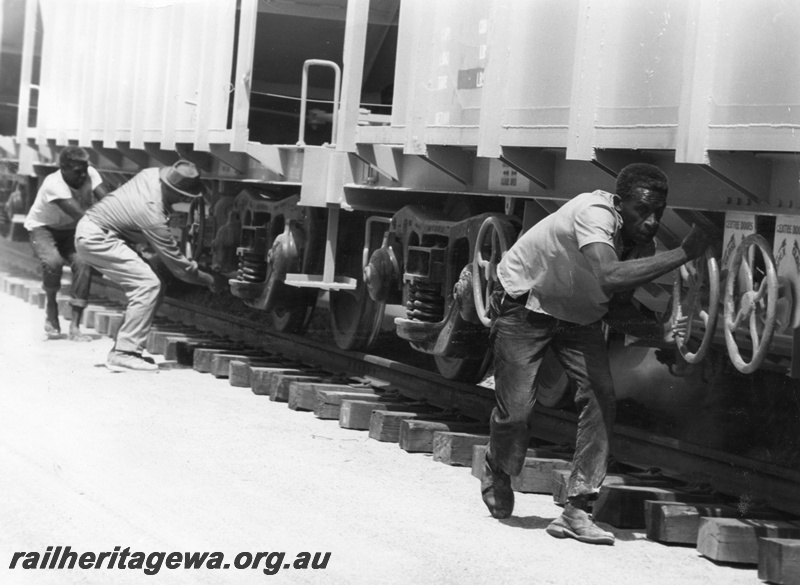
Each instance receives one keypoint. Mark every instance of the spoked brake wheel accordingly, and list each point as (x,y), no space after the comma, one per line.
(753,307)
(696,294)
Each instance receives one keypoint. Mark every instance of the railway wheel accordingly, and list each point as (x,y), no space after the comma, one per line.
(463,369)
(5,222)
(289,309)
(494,239)
(701,279)
(355,318)
(293,314)
(194,235)
(756,304)
(552,388)
(298,249)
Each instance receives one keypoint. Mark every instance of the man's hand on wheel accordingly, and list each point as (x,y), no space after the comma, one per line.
(215,281)
(696,242)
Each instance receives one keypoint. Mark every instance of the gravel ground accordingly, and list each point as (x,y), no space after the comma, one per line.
(180,461)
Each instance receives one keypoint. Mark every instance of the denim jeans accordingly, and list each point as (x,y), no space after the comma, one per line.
(117,261)
(53,248)
(521,339)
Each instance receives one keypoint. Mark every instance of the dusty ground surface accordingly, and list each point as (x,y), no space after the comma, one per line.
(180,461)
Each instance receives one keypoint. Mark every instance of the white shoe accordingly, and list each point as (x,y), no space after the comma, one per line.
(121,361)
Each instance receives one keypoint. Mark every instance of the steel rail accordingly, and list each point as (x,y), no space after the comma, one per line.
(749,480)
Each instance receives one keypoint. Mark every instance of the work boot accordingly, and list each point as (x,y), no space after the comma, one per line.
(76,335)
(52,328)
(576,523)
(496,490)
(75,326)
(121,361)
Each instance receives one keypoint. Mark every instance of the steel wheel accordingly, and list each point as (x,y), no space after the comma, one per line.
(756,305)
(294,307)
(701,277)
(463,369)
(494,239)
(296,249)
(293,312)
(552,388)
(355,318)
(194,235)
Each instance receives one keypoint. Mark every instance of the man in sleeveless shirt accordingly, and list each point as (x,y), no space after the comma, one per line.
(557,281)
(140,209)
(61,201)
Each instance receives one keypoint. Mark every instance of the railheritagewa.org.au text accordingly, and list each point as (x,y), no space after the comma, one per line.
(63,558)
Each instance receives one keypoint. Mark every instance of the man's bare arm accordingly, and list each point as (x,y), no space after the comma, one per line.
(100,191)
(615,276)
(70,207)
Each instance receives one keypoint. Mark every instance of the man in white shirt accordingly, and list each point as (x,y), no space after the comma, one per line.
(60,202)
(557,281)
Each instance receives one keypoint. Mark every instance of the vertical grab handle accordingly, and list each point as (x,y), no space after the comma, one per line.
(304,97)
(368,236)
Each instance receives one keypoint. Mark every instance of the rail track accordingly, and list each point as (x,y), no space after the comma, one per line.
(743,479)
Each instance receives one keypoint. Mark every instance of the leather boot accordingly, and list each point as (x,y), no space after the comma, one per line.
(496,490)
(575,522)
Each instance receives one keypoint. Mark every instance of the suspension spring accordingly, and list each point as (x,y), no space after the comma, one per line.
(252,267)
(424,302)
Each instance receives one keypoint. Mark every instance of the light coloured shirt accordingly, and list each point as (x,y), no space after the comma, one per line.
(46,213)
(136,211)
(547,260)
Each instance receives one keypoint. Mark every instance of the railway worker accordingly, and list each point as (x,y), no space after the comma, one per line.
(60,202)
(139,212)
(557,281)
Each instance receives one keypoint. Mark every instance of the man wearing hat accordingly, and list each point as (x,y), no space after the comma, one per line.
(139,209)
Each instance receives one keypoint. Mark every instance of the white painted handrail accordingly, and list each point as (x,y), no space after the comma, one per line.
(304,97)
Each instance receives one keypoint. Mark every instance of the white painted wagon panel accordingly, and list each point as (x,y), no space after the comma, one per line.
(130,67)
(442,52)
(683,75)
(644,44)
(756,87)
(542,47)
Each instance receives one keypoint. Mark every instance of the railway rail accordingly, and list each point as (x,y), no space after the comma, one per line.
(744,480)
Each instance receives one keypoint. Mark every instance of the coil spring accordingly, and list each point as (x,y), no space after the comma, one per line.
(252,267)
(424,302)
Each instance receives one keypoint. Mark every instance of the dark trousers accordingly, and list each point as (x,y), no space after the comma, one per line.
(521,338)
(53,248)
